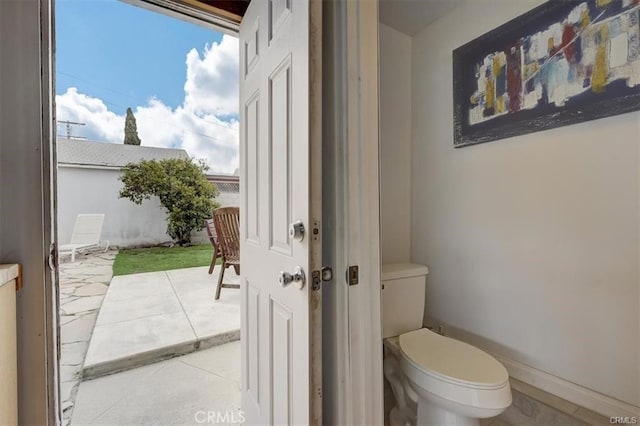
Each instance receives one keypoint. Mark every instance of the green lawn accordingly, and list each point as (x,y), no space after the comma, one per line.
(134,261)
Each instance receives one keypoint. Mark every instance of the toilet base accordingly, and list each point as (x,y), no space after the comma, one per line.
(423,403)
(432,414)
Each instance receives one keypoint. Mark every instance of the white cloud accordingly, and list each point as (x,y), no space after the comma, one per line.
(212,81)
(101,124)
(205,125)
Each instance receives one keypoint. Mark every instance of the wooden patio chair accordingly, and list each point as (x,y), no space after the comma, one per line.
(227,223)
(213,239)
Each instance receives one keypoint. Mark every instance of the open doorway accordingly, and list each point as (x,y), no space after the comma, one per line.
(145,101)
(27,231)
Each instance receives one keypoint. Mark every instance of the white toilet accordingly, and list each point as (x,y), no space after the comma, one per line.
(436,380)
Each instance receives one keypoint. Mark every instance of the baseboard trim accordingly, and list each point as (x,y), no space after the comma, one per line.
(579,395)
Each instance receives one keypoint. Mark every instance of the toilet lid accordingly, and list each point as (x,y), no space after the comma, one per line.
(452,360)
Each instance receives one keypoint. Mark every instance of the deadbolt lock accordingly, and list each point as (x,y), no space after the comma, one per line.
(296,230)
(326,273)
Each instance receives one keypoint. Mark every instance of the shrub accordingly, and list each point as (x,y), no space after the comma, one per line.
(182,188)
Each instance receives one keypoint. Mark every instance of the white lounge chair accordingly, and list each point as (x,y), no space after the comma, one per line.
(86,234)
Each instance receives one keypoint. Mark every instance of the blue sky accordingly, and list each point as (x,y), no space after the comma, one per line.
(179,78)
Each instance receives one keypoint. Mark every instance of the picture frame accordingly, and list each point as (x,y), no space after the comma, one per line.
(562,63)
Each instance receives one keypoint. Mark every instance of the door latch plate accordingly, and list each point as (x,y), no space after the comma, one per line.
(315,280)
(352,275)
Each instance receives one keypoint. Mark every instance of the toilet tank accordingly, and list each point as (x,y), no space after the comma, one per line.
(403,292)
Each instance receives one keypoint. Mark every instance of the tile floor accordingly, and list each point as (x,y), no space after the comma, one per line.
(181,390)
(533,406)
(530,407)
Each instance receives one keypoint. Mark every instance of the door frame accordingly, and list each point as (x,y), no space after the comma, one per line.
(353,364)
(352,355)
(27,202)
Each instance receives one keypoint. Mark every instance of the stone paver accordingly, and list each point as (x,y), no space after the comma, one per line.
(79,328)
(83,284)
(73,353)
(79,305)
(97,289)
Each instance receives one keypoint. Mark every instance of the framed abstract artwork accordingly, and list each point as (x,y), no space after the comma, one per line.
(564,62)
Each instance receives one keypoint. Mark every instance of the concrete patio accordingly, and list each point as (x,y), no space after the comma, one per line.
(152,316)
(145,308)
(183,390)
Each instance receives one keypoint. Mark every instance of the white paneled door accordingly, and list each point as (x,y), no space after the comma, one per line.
(280,150)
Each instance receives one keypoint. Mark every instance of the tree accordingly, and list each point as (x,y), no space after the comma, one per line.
(131,129)
(182,188)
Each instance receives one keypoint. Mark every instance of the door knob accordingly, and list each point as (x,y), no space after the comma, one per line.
(296,230)
(287,278)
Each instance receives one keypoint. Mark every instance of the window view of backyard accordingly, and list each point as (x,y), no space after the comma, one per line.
(147,152)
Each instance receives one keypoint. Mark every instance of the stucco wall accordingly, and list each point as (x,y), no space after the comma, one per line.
(93,190)
(531,242)
(84,190)
(228,199)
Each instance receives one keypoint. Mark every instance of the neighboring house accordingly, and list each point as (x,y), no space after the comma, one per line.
(88,182)
(228,189)
(228,196)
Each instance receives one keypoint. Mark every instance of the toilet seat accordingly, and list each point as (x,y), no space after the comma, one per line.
(458,376)
(452,361)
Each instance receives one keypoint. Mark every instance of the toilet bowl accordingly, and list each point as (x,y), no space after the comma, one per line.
(436,380)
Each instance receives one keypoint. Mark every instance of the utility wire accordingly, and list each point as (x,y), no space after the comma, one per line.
(68,127)
(66,74)
(75,77)
(184,129)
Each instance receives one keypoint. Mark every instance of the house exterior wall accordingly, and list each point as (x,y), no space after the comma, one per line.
(228,199)
(532,242)
(93,190)
(395,145)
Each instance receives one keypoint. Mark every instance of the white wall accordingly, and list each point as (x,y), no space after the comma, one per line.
(532,241)
(84,190)
(228,199)
(94,190)
(395,144)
